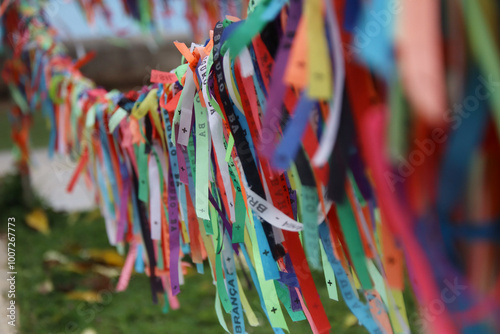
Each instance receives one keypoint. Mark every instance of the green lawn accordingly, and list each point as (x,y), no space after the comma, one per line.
(127,312)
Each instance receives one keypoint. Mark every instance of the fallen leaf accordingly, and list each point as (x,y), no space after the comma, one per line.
(350,320)
(88,296)
(45,287)
(105,256)
(77,267)
(55,256)
(96,282)
(37,219)
(107,271)
(89,331)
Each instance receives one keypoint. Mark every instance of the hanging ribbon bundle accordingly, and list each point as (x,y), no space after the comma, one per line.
(199,14)
(265,152)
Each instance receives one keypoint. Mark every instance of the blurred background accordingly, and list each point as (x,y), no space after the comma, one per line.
(67,272)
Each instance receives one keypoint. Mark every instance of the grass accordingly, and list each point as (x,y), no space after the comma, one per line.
(131,311)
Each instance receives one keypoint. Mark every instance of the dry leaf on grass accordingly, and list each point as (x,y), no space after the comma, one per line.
(37,219)
(88,296)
